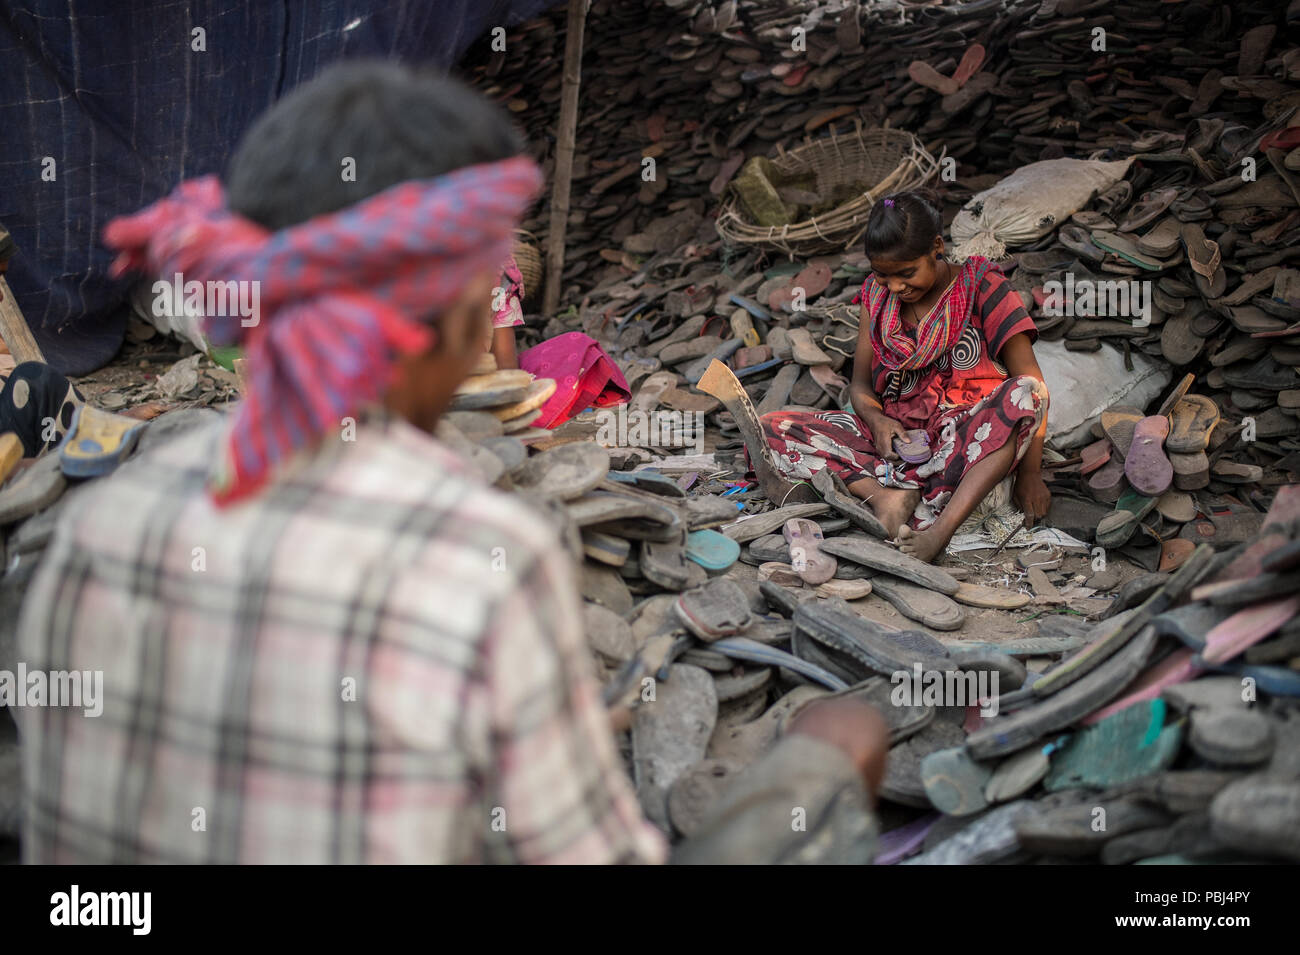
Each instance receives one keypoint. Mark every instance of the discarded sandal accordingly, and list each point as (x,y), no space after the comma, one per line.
(98,442)
(1192,420)
(713,551)
(806,555)
(492,390)
(838,498)
(1145,464)
(917,603)
(671,736)
(1116,528)
(566,472)
(954,782)
(881,557)
(718,609)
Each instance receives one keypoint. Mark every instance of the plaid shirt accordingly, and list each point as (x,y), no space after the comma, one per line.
(377,659)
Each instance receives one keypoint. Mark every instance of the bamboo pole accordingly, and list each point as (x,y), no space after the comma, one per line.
(565,140)
(13,327)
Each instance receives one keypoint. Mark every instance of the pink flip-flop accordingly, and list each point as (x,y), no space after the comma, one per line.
(913,446)
(1246,628)
(970,63)
(1094,456)
(806,556)
(1146,465)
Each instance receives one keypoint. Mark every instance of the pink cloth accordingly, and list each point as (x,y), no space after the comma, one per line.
(584,376)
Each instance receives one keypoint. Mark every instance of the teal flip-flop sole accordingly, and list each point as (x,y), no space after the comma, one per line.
(712,550)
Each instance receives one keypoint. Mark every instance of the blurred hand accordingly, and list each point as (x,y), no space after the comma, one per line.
(855,727)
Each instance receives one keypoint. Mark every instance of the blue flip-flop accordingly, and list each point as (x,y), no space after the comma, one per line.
(713,551)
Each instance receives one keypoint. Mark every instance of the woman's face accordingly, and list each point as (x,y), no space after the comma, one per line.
(909,279)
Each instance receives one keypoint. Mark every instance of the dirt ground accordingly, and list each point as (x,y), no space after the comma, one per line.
(133,383)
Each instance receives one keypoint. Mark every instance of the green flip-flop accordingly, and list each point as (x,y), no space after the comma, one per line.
(1117,527)
(1126,248)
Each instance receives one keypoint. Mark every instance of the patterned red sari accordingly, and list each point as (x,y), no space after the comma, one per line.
(959,395)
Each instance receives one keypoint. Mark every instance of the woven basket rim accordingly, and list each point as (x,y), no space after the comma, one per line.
(532,272)
(843,225)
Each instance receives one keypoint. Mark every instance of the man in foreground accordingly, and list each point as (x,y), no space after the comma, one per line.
(323,639)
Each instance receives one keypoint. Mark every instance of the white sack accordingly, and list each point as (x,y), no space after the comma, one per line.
(1084,384)
(1031,202)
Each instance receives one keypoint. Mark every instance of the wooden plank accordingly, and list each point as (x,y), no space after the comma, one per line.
(11,452)
(566,133)
(14,330)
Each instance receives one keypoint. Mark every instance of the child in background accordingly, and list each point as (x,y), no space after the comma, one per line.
(507,314)
(942,348)
(584,375)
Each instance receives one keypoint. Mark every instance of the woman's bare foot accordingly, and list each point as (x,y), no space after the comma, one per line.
(924,545)
(892,506)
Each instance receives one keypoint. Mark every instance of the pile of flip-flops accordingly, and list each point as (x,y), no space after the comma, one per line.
(1174,718)
(1202,97)
(1207,246)
(704,85)
(1102,714)
(1170,479)
(1176,724)
(512,396)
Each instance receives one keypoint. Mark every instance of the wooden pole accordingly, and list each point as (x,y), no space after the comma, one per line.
(14,330)
(565,138)
(13,327)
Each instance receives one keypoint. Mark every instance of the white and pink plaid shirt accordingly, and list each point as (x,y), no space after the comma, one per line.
(377,659)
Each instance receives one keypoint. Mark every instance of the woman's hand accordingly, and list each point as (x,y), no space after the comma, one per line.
(1032,496)
(883,431)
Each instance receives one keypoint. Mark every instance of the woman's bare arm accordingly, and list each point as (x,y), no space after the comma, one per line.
(1031,492)
(503,348)
(861,395)
(866,404)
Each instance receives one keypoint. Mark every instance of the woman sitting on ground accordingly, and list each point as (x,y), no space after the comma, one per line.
(945,349)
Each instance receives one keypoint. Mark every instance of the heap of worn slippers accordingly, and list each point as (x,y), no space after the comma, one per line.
(1148,489)
(704,86)
(1174,713)
(1164,697)
(1196,101)
(1174,724)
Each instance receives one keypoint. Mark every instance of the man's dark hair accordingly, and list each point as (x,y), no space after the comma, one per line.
(902,227)
(393,122)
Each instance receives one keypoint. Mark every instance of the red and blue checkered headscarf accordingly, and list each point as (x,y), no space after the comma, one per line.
(342,295)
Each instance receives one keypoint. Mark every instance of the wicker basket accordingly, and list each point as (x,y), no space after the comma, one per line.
(883,160)
(529,260)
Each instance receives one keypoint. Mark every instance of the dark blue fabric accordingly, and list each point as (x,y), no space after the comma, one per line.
(113,92)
